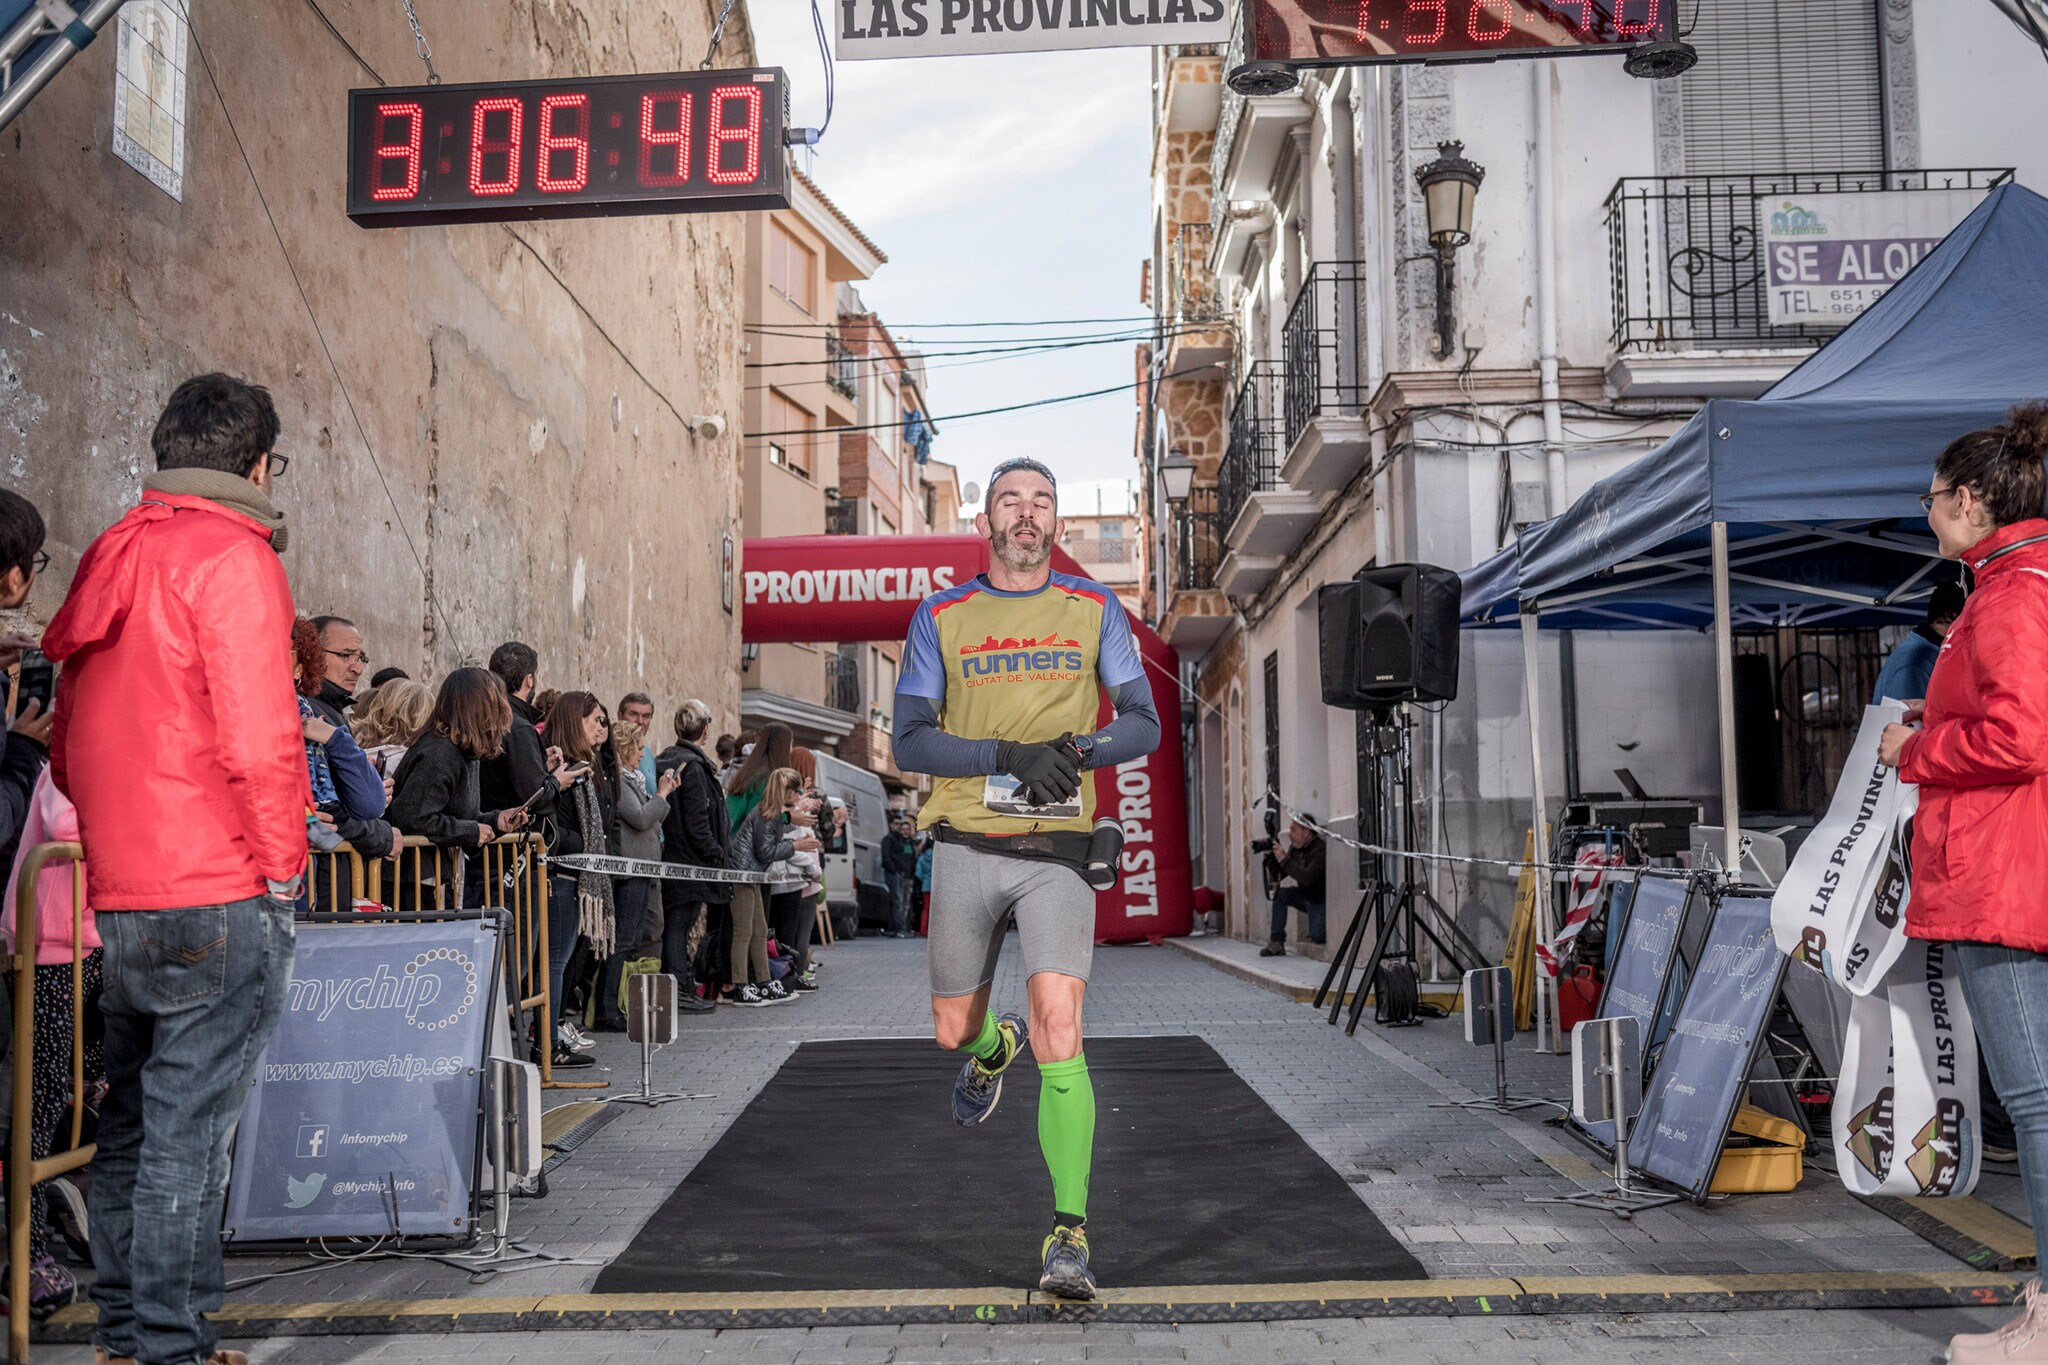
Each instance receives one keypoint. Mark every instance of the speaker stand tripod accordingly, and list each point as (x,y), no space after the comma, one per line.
(1393,899)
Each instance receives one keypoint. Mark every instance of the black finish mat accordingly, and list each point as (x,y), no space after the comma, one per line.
(848,1172)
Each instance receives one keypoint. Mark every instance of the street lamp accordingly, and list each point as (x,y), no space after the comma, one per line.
(1177,476)
(1449,185)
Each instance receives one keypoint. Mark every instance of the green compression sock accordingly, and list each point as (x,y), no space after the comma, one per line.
(987,1047)
(1066,1131)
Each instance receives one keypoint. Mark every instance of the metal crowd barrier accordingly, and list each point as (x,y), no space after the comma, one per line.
(514,865)
(23,1171)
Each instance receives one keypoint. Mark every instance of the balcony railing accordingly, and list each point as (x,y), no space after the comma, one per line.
(1197,540)
(1320,342)
(1258,429)
(1106,550)
(1686,253)
(842,367)
(842,518)
(842,683)
(1226,123)
(1192,296)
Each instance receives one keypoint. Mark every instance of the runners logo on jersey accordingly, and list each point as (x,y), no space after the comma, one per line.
(1053,657)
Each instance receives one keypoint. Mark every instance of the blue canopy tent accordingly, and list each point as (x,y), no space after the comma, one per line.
(1800,506)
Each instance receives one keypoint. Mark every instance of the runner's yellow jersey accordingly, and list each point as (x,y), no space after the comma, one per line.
(1024,666)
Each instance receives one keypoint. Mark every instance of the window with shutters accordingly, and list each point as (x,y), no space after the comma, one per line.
(792,268)
(1784,87)
(795,434)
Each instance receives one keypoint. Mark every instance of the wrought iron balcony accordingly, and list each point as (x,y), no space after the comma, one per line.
(842,367)
(1258,431)
(1192,297)
(1321,344)
(1197,540)
(1686,255)
(842,683)
(1226,123)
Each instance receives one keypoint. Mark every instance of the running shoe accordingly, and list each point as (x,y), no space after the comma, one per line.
(50,1287)
(803,981)
(978,1087)
(574,1039)
(1066,1265)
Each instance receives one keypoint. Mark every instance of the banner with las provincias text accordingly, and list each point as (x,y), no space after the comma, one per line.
(1827,257)
(363,1120)
(957,28)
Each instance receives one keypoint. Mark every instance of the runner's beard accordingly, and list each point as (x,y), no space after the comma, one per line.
(1020,558)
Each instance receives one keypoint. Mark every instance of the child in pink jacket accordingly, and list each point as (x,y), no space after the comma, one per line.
(53,819)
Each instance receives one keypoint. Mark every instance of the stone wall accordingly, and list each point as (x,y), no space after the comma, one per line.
(524,388)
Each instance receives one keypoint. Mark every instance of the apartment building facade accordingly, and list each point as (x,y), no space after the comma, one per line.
(1331,407)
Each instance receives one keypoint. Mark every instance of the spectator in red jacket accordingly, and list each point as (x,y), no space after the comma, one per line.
(1980,759)
(178,738)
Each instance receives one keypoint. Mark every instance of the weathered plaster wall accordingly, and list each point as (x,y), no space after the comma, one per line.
(524,387)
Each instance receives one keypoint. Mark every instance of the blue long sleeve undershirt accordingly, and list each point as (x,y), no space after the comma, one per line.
(922,747)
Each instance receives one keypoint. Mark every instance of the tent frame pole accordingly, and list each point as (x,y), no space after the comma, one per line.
(1546,929)
(1724,689)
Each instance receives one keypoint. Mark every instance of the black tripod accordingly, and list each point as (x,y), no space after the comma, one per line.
(1393,898)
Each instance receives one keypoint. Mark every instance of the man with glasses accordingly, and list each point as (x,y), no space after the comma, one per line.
(342,645)
(178,738)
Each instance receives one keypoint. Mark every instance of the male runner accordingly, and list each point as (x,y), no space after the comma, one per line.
(1002,681)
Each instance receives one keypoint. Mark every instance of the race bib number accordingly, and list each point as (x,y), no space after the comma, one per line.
(999,794)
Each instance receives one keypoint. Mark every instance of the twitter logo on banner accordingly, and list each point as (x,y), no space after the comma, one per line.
(299,1193)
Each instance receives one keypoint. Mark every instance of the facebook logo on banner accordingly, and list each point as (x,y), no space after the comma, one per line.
(313,1140)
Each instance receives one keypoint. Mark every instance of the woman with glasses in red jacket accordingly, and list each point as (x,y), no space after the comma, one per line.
(1979,755)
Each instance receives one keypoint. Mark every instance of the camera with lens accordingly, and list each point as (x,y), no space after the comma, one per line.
(1262,845)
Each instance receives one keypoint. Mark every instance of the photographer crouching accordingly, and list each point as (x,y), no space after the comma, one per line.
(1294,873)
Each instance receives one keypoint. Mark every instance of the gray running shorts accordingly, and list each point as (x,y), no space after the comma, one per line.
(974,894)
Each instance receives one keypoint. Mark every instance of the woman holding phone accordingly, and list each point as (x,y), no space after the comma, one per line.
(586,820)
(434,792)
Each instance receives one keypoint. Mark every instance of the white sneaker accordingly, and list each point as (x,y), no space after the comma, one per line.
(573,1038)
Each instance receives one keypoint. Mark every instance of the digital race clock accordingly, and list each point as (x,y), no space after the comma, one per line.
(1361,32)
(684,142)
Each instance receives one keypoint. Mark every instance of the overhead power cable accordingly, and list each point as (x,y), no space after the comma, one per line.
(984,412)
(933,326)
(1021,348)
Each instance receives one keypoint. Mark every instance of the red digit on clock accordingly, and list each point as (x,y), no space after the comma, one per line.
(1637,30)
(1502,10)
(404,149)
(748,134)
(677,137)
(1585,9)
(1440,8)
(481,145)
(555,112)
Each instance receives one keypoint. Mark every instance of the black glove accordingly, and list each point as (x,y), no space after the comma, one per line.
(1048,773)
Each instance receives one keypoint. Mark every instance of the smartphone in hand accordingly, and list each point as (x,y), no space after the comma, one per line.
(37,681)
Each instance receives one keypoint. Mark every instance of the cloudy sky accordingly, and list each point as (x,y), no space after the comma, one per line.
(1003,189)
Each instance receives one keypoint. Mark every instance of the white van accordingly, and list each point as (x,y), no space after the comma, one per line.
(856,858)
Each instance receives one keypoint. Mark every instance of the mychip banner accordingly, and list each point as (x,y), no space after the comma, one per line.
(955,28)
(363,1120)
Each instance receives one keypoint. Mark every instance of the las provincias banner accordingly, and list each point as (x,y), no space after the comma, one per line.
(953,28)
(829,588)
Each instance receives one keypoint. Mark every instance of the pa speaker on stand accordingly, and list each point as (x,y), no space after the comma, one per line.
(1389,637)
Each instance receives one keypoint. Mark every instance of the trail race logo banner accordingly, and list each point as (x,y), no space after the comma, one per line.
(1906,1104)
(952,28)
(1841,904)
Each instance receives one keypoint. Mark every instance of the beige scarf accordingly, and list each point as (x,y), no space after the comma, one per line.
(231,491)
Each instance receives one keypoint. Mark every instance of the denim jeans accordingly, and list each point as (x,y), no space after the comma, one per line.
(1292,898)
(899,902)
(190,999)
(565,922)
(2007,991)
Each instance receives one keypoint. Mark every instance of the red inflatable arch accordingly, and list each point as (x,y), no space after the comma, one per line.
(803,588)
